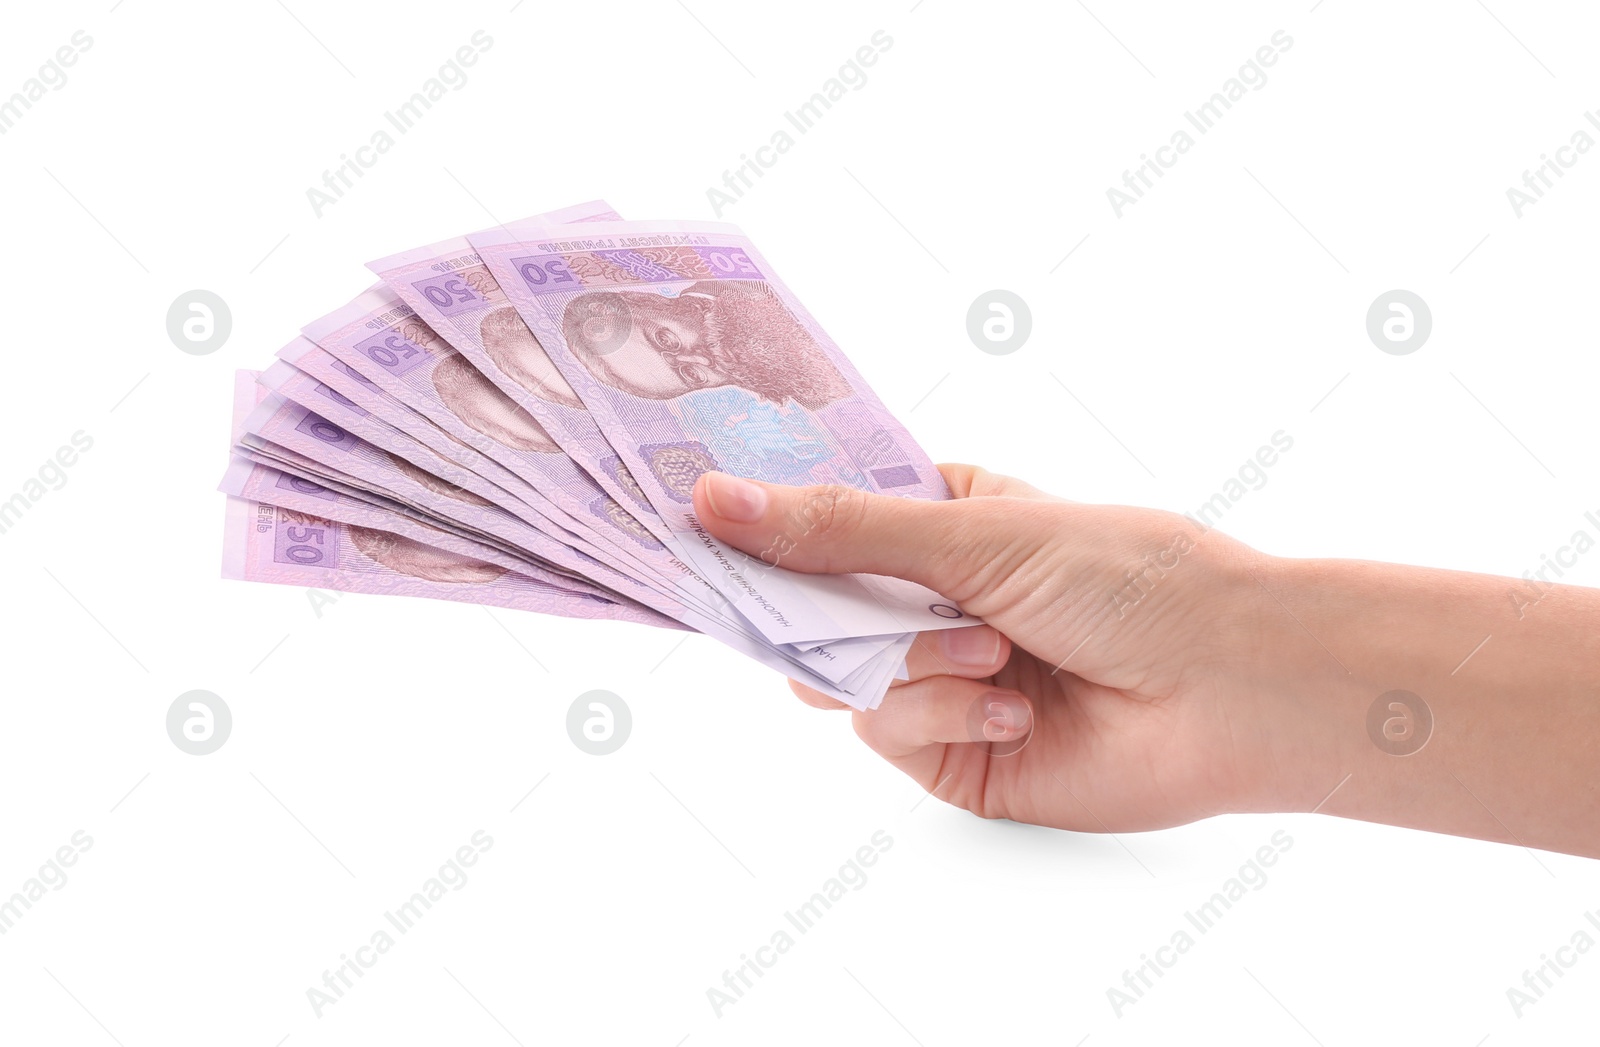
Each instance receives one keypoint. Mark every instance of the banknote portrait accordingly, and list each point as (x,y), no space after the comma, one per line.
(437,484)
(714,333)
(515,351)
(481,405)
(421,561)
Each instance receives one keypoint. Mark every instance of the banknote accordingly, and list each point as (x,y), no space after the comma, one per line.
(390,424)
(268,542)
(317,542)
(840,670)
(329,448)
(255,481)
(516,418)
(372,411)
(348,336)
(322,452)
(691,355)
(361,406)
(447,476)
(456,295)
(384,340)
(284,424)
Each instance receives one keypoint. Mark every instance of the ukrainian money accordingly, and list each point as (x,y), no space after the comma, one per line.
(344,512)
(454,292)
(288,530)
(691,355)
(377,335)
(516,418)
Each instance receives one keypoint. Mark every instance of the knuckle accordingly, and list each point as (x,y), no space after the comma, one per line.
(974,481)
(1002,486)
(959,477)
(997,544)
(986,484)
(838,511)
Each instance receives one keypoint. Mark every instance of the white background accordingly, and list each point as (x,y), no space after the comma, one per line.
(370,742)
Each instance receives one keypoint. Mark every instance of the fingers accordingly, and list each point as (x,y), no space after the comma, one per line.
(920,727)
(935,711)
(814,698)
(837,529)
(974,652)
(973,481)
(942,710)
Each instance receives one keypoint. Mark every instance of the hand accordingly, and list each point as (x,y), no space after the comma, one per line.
(1099,696)
(1140,671)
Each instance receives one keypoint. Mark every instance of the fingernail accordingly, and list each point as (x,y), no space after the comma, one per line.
(976,646)
(1007,716)
(734,499)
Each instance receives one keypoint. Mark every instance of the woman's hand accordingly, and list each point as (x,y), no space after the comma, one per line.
(1102,695)
(1140,671)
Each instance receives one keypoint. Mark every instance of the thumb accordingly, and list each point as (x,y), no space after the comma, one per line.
(836,530)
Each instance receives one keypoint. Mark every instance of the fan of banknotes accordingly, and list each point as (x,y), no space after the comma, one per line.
(517,418)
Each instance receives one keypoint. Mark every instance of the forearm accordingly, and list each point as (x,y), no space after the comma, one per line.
(1508,670)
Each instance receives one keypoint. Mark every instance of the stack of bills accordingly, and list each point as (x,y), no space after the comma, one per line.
(517,418)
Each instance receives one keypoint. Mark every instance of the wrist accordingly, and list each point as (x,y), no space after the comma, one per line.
(1248,666)
(1295,703)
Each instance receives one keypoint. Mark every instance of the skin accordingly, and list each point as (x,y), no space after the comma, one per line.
(1225,680)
